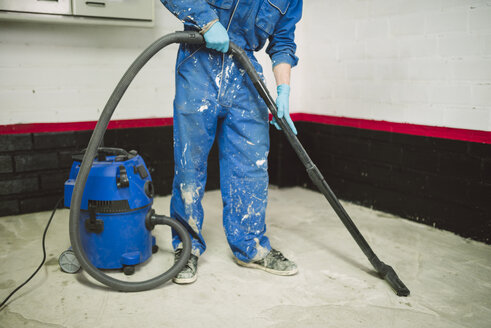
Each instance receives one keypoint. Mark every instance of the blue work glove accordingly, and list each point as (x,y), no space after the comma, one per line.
(217,37)
(282,102)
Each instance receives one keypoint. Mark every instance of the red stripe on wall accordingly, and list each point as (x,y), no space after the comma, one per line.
(81,126)
(405,128)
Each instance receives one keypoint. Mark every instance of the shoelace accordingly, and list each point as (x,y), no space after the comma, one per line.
(277,254)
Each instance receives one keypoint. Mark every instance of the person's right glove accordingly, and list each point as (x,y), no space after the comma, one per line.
(217,37)
(283,104)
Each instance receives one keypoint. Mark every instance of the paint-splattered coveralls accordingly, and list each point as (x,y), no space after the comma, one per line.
(215,98)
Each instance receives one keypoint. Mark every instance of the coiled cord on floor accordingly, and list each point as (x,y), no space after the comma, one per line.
(42,262)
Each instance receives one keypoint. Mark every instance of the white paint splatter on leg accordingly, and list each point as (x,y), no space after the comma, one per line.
(261,251)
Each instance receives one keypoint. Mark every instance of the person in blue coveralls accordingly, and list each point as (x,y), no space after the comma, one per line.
(216,99)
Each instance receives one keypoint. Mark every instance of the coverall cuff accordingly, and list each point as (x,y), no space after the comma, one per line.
(208,26)
(283,57)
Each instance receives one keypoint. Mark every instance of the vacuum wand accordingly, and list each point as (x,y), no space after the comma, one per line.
(193,37)
(385,271)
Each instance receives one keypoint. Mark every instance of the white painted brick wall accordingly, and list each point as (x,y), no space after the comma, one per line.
(407,24)
(64,73)
(481,95)
(419,61)
(479,17)
(415,61)
(447,20)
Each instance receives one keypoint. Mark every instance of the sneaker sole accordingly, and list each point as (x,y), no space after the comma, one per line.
(184,281)
(260,267)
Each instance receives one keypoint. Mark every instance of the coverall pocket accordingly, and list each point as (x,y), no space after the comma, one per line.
(222,4)
(187,54)
(269,13)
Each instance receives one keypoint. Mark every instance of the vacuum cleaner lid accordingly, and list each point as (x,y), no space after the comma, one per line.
(118,181)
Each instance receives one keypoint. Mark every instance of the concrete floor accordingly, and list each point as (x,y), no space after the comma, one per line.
(449,277)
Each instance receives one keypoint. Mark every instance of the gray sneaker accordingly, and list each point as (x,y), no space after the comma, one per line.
(274,263)
(188,273)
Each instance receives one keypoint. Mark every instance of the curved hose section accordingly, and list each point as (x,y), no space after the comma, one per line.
(95,141)
(190,37)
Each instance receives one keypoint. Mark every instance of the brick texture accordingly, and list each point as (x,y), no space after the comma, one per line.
(15,142)
(6,165)
(35,161)
(433,181)
(18,185)
(9,207)
(421,62)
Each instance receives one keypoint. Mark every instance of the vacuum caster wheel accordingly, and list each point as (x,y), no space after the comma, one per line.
(155,249)
(68,262)
(128,270)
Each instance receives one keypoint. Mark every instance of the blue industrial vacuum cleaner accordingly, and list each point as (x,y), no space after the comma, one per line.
(118,196)
(115,219)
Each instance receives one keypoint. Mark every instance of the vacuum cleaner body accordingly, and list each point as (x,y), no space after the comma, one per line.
(117,198)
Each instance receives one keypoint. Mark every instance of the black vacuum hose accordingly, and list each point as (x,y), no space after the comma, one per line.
(190,37)
(385,271)
(88,159)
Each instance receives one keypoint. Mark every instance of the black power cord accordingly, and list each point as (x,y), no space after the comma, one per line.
(44,256)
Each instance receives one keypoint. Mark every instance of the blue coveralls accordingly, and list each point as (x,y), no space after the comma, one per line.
(215,98)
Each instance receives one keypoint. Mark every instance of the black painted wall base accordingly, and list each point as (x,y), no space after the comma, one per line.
(440,182)
(34,167)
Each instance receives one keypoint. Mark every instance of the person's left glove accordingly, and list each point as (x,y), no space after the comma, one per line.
(283,104)
(217,37)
